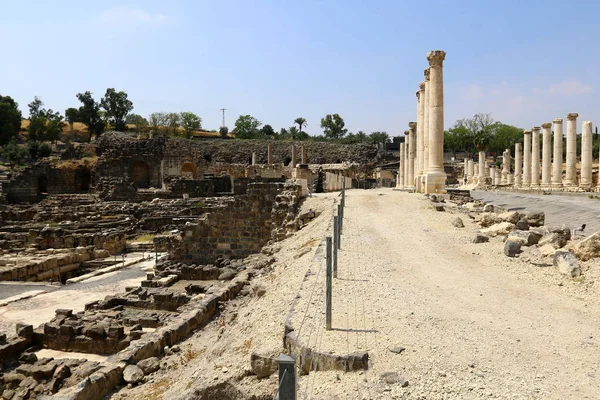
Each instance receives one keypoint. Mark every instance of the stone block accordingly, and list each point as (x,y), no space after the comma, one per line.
(512,247)
(566,263)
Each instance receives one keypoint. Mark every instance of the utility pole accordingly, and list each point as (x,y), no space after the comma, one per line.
(223,112)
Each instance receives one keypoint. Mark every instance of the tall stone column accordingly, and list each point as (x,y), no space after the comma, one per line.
(526,182)
(406,148)
(412,152)
(498,176)
(253,158)
(518,178)
(426,113)
(586,155)
(505,166)
(269,154)
(481,167)
(571,172)
(435,181)
(465,167)
(493,174)
(546,154)
(303,158)
(535,156)
(557,158)
(470,171)
(420,134)
(294,160)
(400,181)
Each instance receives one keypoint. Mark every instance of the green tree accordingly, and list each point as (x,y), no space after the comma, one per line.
(224,131)
(10,119)
(158,122)
(140,122)
(246,127)
(379,137)
(89,114)
(44,124)
(117,106)
(481,129)
(13,152)
(267,130)
(293,132)
(458,138)
(301,123)
(504,137)
(71,116)
(173,122)
(190,122)
(333,126)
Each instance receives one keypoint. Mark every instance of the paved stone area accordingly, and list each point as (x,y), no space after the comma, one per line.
(570,209)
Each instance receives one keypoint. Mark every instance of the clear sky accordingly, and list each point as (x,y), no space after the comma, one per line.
(526,62)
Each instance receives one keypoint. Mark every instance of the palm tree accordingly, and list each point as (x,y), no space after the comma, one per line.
(301,123)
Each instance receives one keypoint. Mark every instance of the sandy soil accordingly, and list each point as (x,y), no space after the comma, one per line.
(474,324)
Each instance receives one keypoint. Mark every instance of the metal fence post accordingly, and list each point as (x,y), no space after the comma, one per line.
(287,378)
(335,244)
(328,285)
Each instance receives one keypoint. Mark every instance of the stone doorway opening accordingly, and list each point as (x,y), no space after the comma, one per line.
(42,184)
(83,179)
(189,170)
(140,174)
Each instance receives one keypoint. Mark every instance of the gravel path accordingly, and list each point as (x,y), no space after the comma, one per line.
(474,324)
(571,209)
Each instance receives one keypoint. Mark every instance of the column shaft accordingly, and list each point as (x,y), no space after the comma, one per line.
(426,113)
(546,154)
(526,182)
(412,152)
(518,165)
(586,155)
(294,160)
(535,156)
(571,172)
(482,167)
(400,181)
(436,177)
(269,154)
(420,133)
(557,158)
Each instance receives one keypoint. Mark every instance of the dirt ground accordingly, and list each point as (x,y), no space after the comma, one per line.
(472,323)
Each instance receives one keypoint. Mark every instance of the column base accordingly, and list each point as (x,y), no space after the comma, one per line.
(555,185)
(435,182)
(545,186)
(585,185)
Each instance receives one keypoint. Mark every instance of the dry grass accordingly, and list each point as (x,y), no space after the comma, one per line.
(309,243)
(73,164)
(247,345)
(156,390)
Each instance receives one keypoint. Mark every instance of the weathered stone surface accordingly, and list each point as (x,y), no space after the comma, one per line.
(227,274)
(502,228)
(263,366)
(488,208)
(133,374)
(567,264)
(587,248)
(512,247)
(535,218)
(510,216)
(547,250)
(62,372)
(392,378)
(523,225)
(458,223)
(554,238)
(479,238)
(397,349)
(486,219)
(527,238)
(439,207)
(149,365)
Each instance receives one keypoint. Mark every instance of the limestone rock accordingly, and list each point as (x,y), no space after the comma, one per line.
(553,238)
(512,247)
(566,263)
(439,207)
(227,274)
(458,223)
(392,378)
(62,372)
(479,238)
(487,219)
(510,216)
(397,349)
(535,218)
(149,365)
(259,289)
(133,374)
(527,238)
(488,208)
(547,250)
(588,247)
(263,366)
(502,228)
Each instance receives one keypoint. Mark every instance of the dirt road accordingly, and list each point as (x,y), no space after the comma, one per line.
(474,323)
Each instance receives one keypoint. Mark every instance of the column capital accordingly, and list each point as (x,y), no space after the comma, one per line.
(406,133)
(421,86)
(436,57)
(547,125)
(526,132)
(412,125)
(557,120)
(426,74)
(418,94)
(572,116)
(536,129)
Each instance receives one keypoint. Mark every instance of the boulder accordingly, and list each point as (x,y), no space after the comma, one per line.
(502,228)
(522,224)
(149,365)
(510,216)
(62,372)
(535,218)
(263,366)
(555,239)
(527,238)
(547,250)
(512,247)
(488,208)
(439,207)
(487,219)
(458,223)
(133,374)
(392,378)
(566,263)
(587,248)
(479,238)
(94,331)
(227,274)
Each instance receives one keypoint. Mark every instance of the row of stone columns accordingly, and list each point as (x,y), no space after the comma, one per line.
(422,161)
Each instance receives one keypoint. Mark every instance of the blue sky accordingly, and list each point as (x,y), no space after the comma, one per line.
(526,62)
